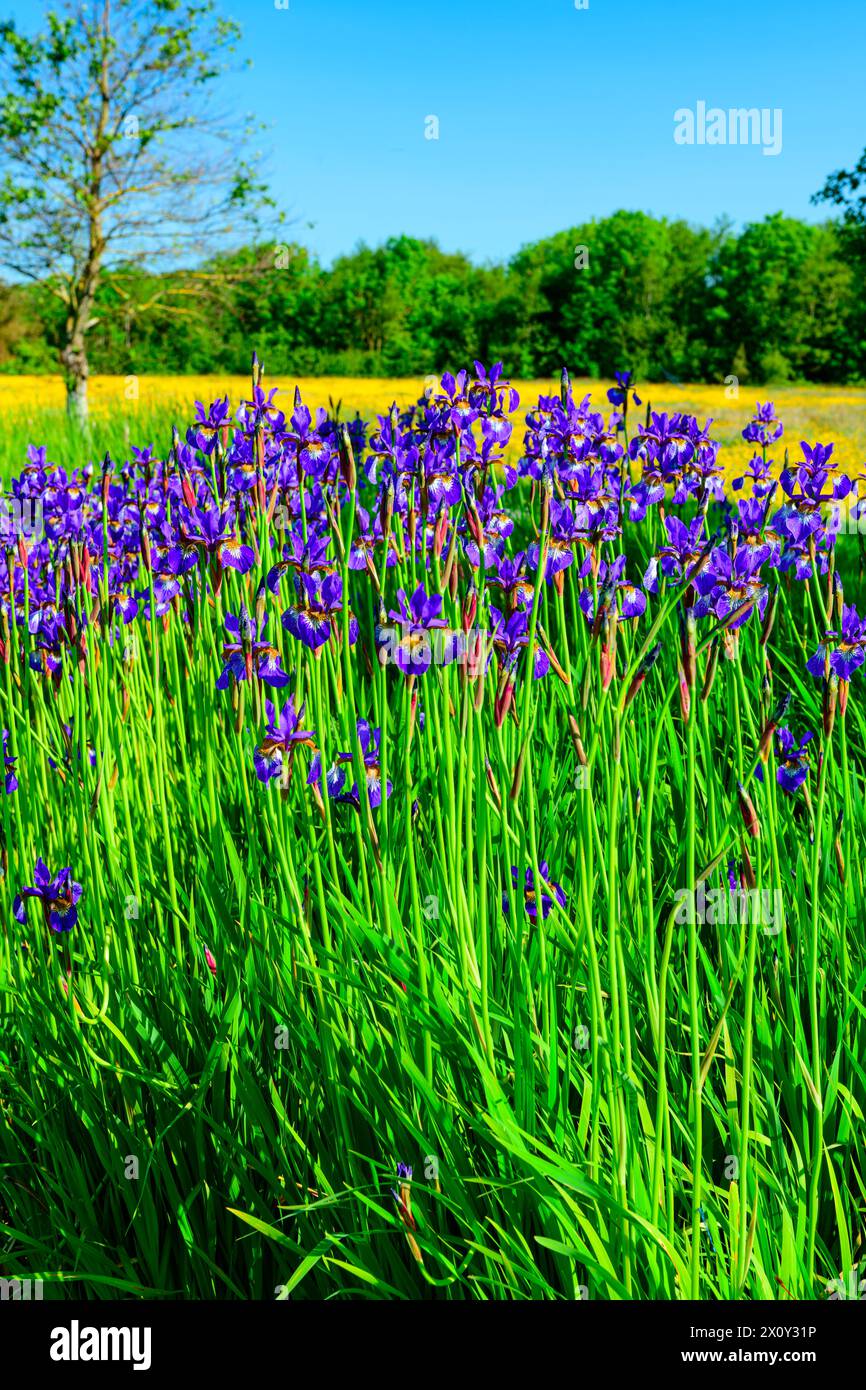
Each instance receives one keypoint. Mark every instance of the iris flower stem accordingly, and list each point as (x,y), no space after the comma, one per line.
(162,772)
(817,1154)
(694,1015)
(745,1103)
(420,944)
(318,688)
(852,862)
(662,981)
(621,1079)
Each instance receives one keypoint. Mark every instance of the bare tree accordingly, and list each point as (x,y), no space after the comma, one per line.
(111,150)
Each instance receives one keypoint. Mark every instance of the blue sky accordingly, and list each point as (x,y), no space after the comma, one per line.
(548,115)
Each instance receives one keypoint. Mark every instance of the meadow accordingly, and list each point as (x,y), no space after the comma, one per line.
(143,409)
(432,841)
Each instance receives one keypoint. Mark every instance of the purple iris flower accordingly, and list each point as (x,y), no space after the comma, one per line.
(793,758)
(314,617)
(260,413)
(511,578)
(668,443)
(456,400)
(10,781)
(643,495)
(310,555)
(812,495)
(363,548)
(727,585)
(618,395)
(817,458)
(337,777)
(845,651)
(316,455)
(611,582)
(677,559)
(800,532)
(165,591)
(509,635)
(764,427)
(273,757)
(49,629)
(215,537)
(248,654)
(491,390)
(177,556)
(58,895)
(496,431)
(530,903)
(441,477)
(758,473)
(209,424)
(484,528)
(418,616)
(560,546)
(392,448)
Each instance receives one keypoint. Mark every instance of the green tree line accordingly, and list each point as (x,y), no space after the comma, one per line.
(779,300)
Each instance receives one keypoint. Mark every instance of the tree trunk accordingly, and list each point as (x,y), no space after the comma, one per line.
(74,359)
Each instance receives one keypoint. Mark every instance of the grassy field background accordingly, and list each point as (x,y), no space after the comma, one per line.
(141,410)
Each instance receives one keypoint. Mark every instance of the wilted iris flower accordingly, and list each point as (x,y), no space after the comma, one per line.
(58,895)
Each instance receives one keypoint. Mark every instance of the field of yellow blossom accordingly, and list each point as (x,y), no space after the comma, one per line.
(141,410)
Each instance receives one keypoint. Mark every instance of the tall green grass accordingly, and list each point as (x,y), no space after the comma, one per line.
(110,430)
(608,1103)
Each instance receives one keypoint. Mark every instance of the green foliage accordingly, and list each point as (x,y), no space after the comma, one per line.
(777,302)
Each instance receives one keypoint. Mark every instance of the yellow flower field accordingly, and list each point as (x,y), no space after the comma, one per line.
(813,413)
